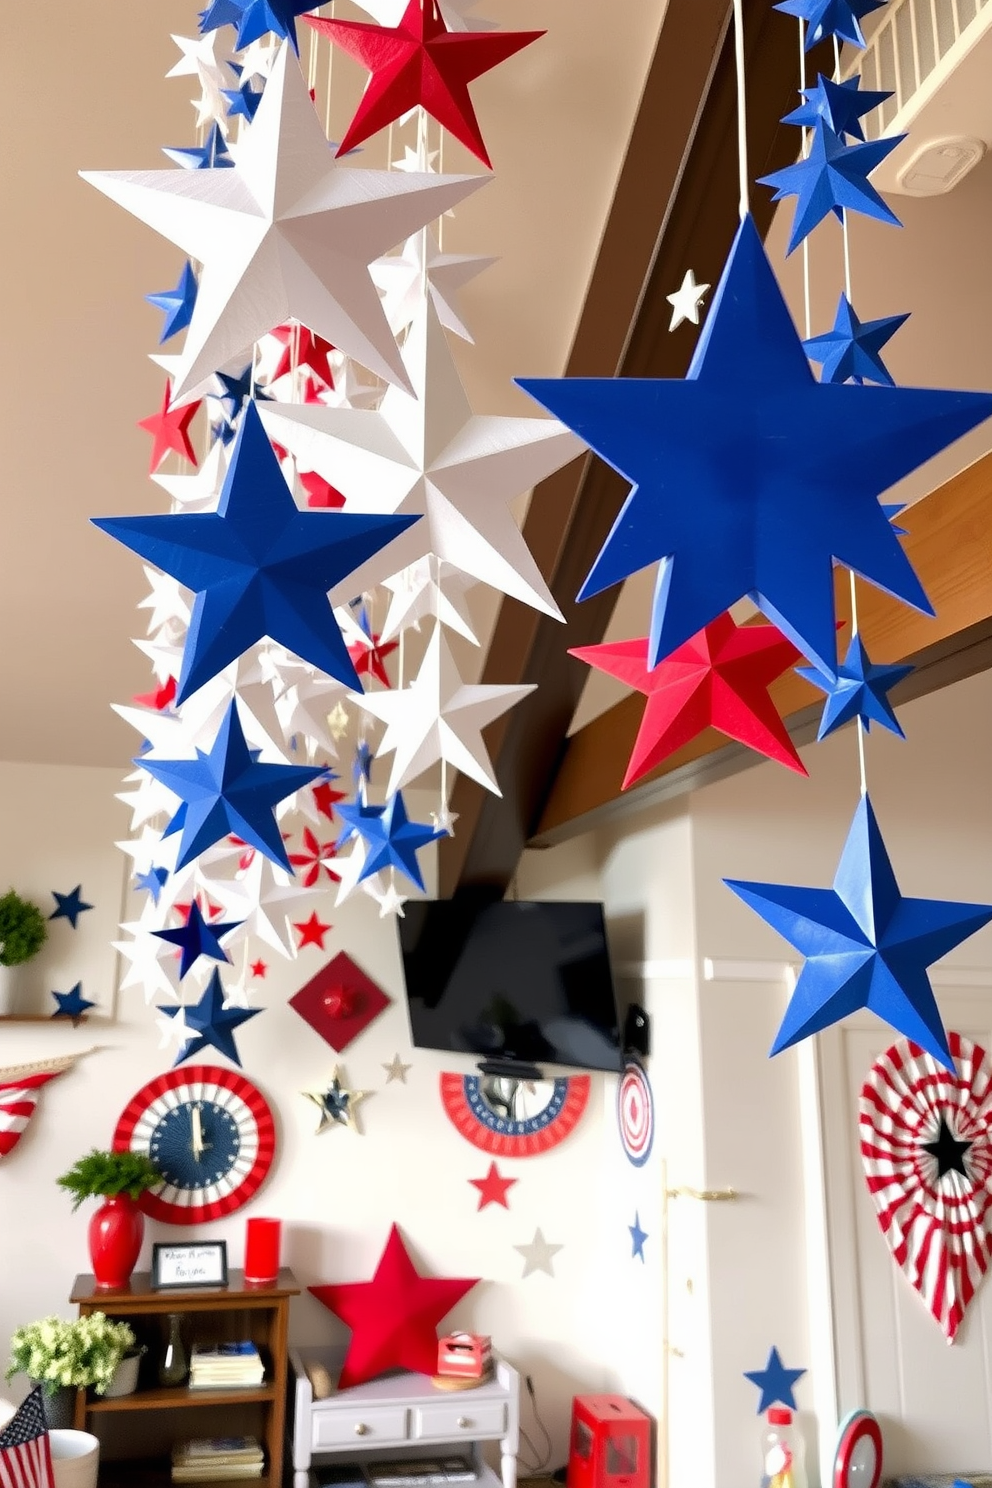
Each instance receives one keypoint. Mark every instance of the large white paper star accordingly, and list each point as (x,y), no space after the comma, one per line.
(430,456)
(285,233)
(401,279)
(146,968)
(264,898)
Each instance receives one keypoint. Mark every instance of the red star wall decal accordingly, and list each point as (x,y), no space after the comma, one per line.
(421,62)
(258,968)
(169,429)
(493,1187)
(393,1318)
(719,679)
(312,931)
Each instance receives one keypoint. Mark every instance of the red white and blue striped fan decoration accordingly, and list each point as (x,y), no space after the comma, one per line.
(635,1112)
(926,1146)
(25,1451)
(20,1086)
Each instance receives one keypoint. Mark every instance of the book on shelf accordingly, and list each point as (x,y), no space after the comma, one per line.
(217,1458)
(419,1473)
(225,1366)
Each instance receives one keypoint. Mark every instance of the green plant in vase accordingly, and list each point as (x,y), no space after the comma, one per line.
(60,1355)
(23,932)
(118,1226)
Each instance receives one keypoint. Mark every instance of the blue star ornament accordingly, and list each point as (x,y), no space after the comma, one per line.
(258,565)
(865,945)
(212,1023)
(860,691)
(177,304)
(391,839)
(277,16)
(841,106)
(637,1238)
(71,1004)
(197,938)
(775,1383)
(228,791)
(832,178)
(153,882)
(211,155)
(851,352)
(750,477)
(69,906)
(242,102)
(840,18)
(221,13)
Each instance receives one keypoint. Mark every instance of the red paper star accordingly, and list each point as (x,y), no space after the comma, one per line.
(312,351)
(320,492)
(493,1188)
(258,968)
(719,679)
(393,1318)
(161,698)
(170,430)
(421,62)
(312,931)
(325,796)
(313,859)
(369,658)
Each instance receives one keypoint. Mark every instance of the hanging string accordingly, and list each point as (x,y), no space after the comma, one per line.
(745,205)
(330,75)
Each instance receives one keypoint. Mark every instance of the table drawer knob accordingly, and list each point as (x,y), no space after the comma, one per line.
(464,1421)
(361,1429)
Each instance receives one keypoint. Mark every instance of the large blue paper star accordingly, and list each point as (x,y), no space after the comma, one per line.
(259,566)
(637,1238)
(213,154)
(775,1383)
(750,477)
(865,945)
(253,19)
(851,352)
(221,13)
(197,938)
(176,304)
(391,839)
(71,1004)
(860,691)
(228,791)
(832,178)
(841,106)
(213,1023)
(825,18)
(69,906)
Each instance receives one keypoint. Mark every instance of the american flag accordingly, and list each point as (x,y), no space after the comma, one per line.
(25,1454)
(18,1098)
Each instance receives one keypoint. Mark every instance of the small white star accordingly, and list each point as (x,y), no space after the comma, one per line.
(390,902)
(538,1255)
(174,1031)
(686,301)
(444,820)
(396,1070)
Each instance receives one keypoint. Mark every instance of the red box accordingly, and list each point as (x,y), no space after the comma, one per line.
(464,1355)
(610,1445)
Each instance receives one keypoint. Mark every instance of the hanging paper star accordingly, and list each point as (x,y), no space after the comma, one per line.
(637,1238)
(286,234)
(687,301)
(326,798)
(719,679)
(197,938)
(260,17)
(401,279)
(394,1317)
(396,1070)
(152,882)
(833,177)
(538,1255)
(312,931)
(338,1105)
(170,430)
(300,347)
(236,390)
(390,900)
(420,61)
(817,458)
(338,721)
(262,896)
(860,691)
(493,1188)
(258,565)
(199,492)
(71,1004)
(222,13)
(444,819)
(368,654)
(775,1383)
(242,102)
(841,106)
(428,589)
(211,1023)
(69,906)
(826,18)
(947,1150)
(199,53)
(392,840)
(163,697)
(316,856)
(176,304)
(866,946)
(213,154)
(361,770)
(851,352)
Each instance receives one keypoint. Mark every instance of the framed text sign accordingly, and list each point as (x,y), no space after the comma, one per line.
(189,1264)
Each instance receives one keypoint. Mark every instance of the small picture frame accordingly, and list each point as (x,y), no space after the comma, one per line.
(189,1264)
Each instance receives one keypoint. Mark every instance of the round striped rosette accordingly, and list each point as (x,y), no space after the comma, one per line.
(927,1154)
(635,1112)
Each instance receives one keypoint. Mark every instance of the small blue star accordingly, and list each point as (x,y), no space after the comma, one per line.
(242,101)
(861,691)
(361,769)
(152,882)
(176,304)
(69,906)
(197,938)
(637,1238)
(391,839)
(211,155)
(832,178)
(71,1004)
(223,429)
(277,16)
(775,1383)
(851,352)
(841,106)
(221,13)
(825,18)
(213,1024)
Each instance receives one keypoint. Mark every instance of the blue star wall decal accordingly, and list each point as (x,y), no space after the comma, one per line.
(860,691)
(69,906)
(637,1238)
(152,882)
(851,352)
(258,565)
(213,154)
(865,945)
(177,304)
(841,106)
(71,1004)
(832,178)
(391,839)
(212,1023)
(228,791)
(775,1383)
(197,938)
(825,18)
(750,477)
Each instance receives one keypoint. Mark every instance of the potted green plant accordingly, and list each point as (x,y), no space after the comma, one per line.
(118,1226)
(65,1356)
(23,932)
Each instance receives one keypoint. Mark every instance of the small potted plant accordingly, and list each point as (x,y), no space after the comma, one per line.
(118,1226)
(65,1356)
(23,932)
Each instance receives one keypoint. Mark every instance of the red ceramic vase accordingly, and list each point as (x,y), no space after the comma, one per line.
(115,1234)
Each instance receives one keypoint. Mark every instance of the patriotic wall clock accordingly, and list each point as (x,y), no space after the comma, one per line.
(926,1146)
(209,1131)
(635,1112)
(514,1118)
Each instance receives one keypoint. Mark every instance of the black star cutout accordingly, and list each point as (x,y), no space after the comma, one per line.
(948,1151)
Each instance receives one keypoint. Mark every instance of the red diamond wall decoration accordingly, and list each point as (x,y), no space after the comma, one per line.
(339,1002)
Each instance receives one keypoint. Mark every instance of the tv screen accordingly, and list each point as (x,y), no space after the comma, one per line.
(511,981)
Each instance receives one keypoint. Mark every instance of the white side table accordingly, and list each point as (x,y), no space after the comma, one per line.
(403,1416)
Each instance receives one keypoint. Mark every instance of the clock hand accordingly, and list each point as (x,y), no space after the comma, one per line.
(197,1134)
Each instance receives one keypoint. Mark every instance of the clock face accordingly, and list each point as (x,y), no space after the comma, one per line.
(211,1135)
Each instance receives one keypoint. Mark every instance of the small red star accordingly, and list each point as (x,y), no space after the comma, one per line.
(170,430)
(493,1188)
(369,658)
(258,968)
(312,351)
(320,492)
(314,857)
(719,679)
(325,796)
(312,931)
(421,62)
(161,698)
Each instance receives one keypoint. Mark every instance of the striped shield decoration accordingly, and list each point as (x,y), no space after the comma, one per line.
(926,1146)
(20,1087)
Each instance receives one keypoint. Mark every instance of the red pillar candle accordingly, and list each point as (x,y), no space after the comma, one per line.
(262,1250)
